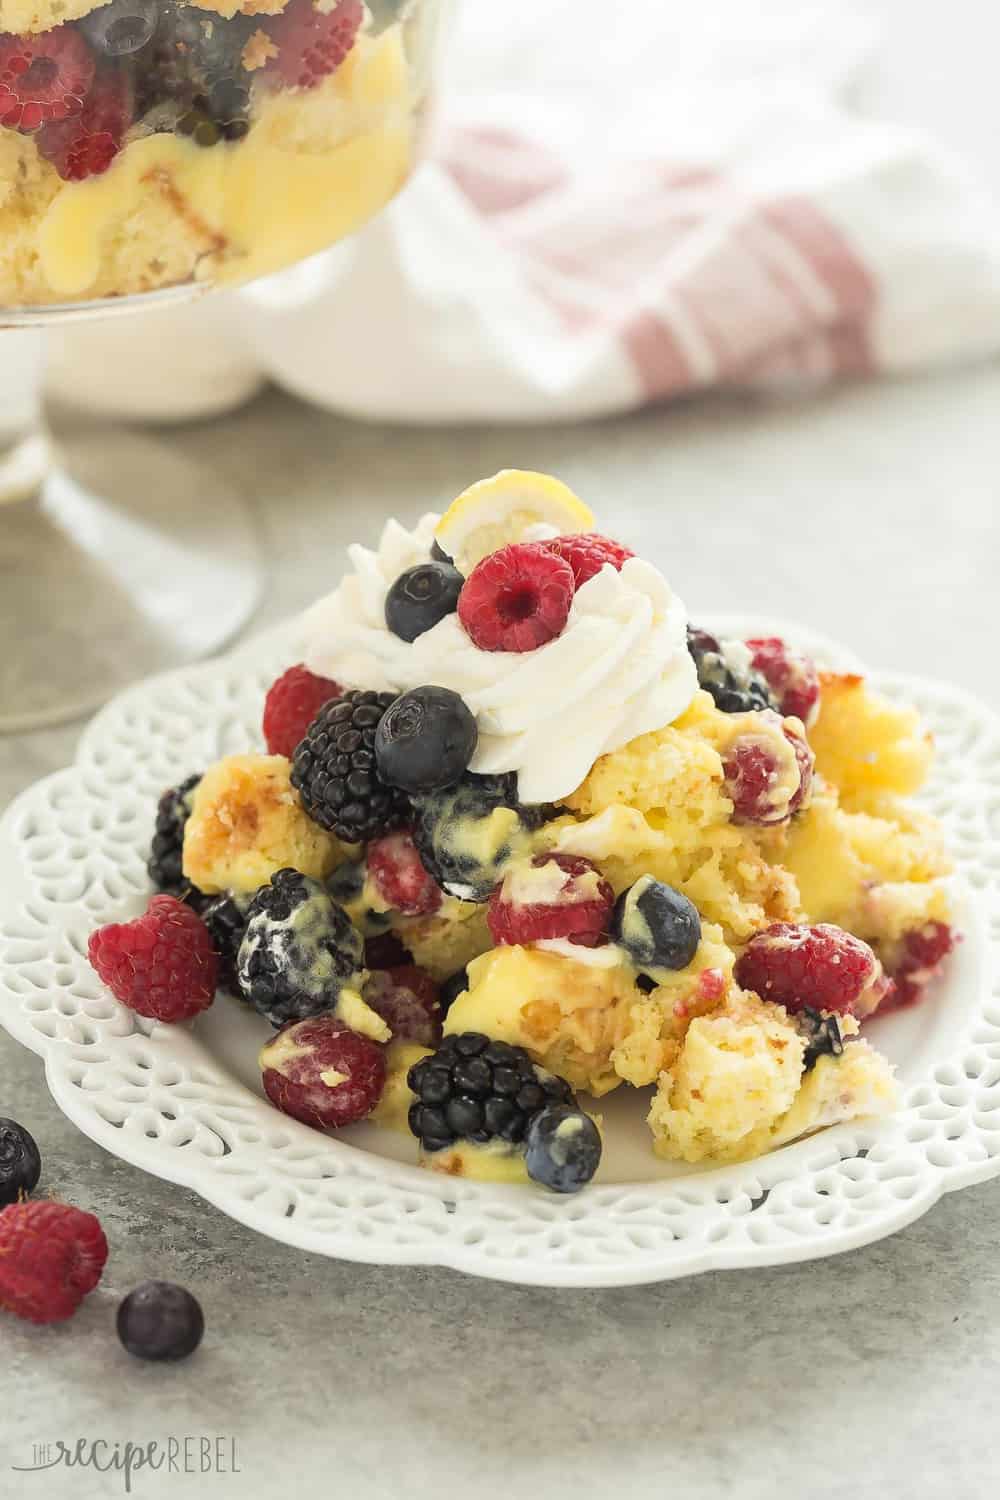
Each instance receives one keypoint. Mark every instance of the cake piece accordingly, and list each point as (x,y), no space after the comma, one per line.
(246,823)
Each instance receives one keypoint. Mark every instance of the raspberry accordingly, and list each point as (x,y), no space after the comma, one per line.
(292,702)
(768,772)
(407,999)
(162,965)
(322,1073)
(87,143)
(587,552)
(311,44)
(922,952)
(517,598)
(400,878)
(819,968)
(555,896)
(43,77)
(790,674)
(51,1256)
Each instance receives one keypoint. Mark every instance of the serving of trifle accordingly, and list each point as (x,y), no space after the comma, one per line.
(146,144)
(522,835)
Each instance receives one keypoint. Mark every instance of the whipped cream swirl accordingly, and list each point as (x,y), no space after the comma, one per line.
(620,668)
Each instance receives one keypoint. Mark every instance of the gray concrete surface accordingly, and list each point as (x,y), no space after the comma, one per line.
(868,513)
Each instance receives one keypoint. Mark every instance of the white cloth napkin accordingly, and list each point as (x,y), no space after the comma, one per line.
(622,204)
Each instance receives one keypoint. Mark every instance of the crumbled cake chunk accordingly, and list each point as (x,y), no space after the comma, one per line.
(247,822)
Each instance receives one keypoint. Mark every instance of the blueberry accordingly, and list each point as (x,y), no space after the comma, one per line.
(421,597)
(20,1162)
(658,927)
(425,740)
(725,672)
(122,28)
(824,1037)
(563,1148)
(455,985)
(439,554)
(160,1320)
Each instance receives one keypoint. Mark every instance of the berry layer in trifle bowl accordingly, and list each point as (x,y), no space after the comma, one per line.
(146,144)
(520,835)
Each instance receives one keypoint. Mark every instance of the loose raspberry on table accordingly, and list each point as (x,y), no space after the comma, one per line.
(517,599)
(768,772)
(293,701)
(922,953)
(311,43)
(819,968)
(85,144)
(399,876)
(51,1256)
(553,896)
(322,1073)
(44,76)
(407,999)
(162,965)
(791,675)
(587,552)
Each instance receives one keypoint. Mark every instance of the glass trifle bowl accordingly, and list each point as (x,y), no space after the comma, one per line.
(150,151)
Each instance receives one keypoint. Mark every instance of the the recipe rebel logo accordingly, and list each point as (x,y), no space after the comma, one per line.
(199,1453)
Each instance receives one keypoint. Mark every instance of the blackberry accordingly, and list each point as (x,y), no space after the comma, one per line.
(463,856)
(736,686)
(823,1037)
(226,919)
(167,849)
(334,771)
(20,1162)
(474,1089)
(299,950)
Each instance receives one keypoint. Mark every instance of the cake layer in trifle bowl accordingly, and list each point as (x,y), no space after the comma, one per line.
(146,145)
(520,835)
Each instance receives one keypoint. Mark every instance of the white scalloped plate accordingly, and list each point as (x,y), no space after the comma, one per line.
(185,1104)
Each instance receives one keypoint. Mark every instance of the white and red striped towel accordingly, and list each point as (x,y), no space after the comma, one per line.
(625,203)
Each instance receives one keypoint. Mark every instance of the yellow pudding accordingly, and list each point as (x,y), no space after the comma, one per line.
(397,1096)
(494,1162)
